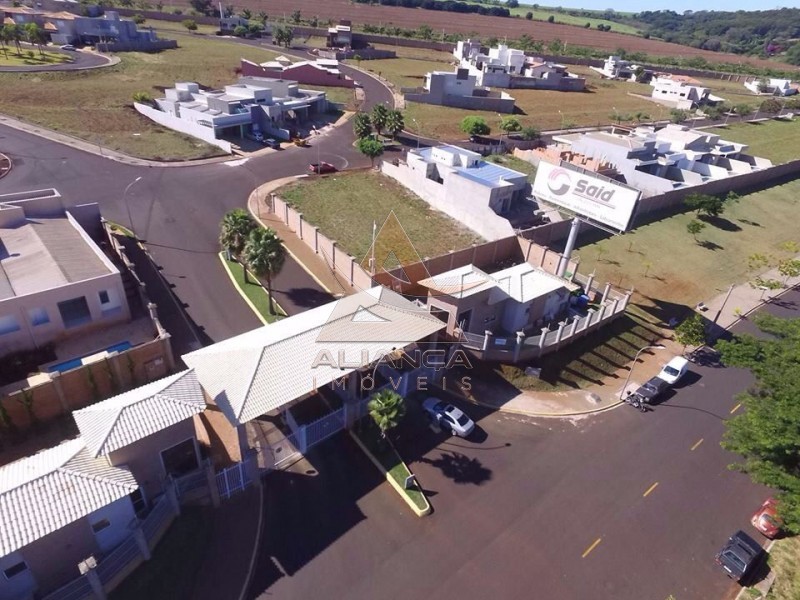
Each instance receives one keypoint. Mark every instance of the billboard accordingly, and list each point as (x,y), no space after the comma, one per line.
(589,195)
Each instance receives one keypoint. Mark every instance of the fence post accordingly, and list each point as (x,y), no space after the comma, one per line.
(574,327)
(316,239)
(333,255)
(605,293)
(213,490)
(141,542)
(301,439)
(560,333)
(625,300)
(300,225)
(55,378)
(486,336)
(172,494)
(87,569)
(589,282)
(518,346)
(272,203)
(589,315)
(542,339)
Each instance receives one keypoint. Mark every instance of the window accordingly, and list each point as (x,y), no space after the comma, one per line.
(138,501)
(38,316)
(104,297)
(8,324)
(180,459)
(74,312)
(15,570)
(98,526)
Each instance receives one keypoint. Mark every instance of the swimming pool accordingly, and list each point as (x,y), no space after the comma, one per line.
(74,363)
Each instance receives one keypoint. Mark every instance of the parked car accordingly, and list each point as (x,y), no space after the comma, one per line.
(739,556)
(766,519)
(321,168)
(674,370)
(448,417)
(272,143)
(652,389)
(69,47)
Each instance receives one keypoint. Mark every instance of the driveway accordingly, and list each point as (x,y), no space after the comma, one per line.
(517,507)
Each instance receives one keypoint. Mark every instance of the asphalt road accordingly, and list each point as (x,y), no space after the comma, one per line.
(520,508)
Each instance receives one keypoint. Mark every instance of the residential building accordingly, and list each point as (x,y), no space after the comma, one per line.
(510,68)
(274,107)
(458,182)
(341,35)
(322,71)
(656,161)
(149,430)
(772,87)
(682,95)
(459,89)
(58,508)
(55,281)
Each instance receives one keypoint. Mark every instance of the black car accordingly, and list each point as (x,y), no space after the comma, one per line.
(652,389)
(739,556)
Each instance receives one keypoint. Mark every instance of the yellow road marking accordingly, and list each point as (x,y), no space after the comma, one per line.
(650,489)
(700,441)
(590,548)
(735,408)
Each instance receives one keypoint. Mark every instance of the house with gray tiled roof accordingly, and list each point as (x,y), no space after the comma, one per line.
(57,508)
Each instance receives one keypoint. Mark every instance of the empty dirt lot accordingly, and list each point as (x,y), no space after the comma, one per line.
(409,18)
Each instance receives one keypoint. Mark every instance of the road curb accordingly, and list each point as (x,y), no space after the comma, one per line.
(110,62)
(527,413)
(10,165)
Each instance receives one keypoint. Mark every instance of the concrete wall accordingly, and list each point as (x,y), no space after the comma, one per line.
(502,105)
(557,83)
(137,46)
(305,74)
(205,134)
(143,458)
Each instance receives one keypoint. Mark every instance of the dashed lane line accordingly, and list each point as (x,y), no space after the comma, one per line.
(590,548)
(650,489)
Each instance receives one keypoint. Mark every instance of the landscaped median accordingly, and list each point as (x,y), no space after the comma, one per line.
(252,292)
(384,456)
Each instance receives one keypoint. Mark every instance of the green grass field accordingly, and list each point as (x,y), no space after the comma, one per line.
(30,57)
(409,72)
(776,140)
(97,105)
(344,207)
(663,262)
(784,560)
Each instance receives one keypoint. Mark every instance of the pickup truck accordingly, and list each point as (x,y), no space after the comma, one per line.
(652,389)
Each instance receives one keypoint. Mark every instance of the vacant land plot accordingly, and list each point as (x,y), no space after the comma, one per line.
(345,206)
(409,72)
(31,58)
(97,105)
(663,261)
(776,140)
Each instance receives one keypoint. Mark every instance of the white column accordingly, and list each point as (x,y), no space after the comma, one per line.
(486,337)
(560,331)
(605,293)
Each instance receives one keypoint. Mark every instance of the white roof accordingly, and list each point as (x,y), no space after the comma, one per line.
(524,283)
(265,369)
(49,490)
(459,283)
(138,413)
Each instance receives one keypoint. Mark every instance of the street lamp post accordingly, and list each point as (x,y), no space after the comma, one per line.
(419,130)
(127,206)
(635,358)
(317,133)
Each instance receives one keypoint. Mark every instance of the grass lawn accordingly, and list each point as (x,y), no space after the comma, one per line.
(512,162)
(256,294)
(344,207)
(784,560)
(63,101)
(663,261)
(386,454)
(171,572)
(31,58)
(177,26)
(409,72)
(340,95)
(776,140)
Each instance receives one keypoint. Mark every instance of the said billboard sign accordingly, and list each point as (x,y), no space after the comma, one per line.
(591,196)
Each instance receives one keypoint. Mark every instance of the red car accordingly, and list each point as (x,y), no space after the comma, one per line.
(766,519)
(321,168)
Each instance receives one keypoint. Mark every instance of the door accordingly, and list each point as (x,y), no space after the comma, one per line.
(464,319)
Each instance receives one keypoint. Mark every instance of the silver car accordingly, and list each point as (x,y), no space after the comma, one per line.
(448,417)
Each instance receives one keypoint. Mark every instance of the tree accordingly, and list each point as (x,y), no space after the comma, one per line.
(190,24)
(475,126)
(395,123)
(201,6)
(789,267)
(770,106)
(512,3)
(283,34)
(296,17)
(767,433)
(255,27)
(240,31)
(13,33)
(587,25)
(138,19)
(362,126)
(35,36)
(246,14)
(386,408)
(551,19)
(529,16)
(370,147)
(529,133)
(235,228)
(265,254)
(262,16)
(691,332)
(378,117)
(510,124)
(229,11)
(143,98)
(743,109)
(695,227)
(706,204)
(677,115)
(425,32)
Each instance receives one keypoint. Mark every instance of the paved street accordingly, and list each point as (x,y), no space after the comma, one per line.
(518,507)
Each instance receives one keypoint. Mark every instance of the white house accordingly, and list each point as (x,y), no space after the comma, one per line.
(462,185)
(459,89)
(682,95)
(772,87)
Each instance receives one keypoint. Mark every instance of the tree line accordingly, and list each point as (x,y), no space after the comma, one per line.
(444,5)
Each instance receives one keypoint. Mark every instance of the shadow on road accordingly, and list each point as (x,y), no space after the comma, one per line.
(460,468)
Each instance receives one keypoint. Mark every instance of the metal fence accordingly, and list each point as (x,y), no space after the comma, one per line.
(233,479)
(191,482)
(118,559)
(162,511)
(77,589)
(323,428)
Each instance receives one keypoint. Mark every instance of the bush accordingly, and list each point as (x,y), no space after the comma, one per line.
(190,24)
(138,19)
(529,133)
(475,126)
(551,19)
(177,11)
(529,16)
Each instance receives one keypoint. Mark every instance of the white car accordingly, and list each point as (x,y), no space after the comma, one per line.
(448,417)
(674,370)
(68,47)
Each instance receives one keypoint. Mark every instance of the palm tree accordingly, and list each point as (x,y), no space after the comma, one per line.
(13,33)
(378,117)
(235,227)
(3,40)
(264,254)
(395,123)
(35,36)
(386,408)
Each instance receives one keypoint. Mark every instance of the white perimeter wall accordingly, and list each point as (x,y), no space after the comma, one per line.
(176,124)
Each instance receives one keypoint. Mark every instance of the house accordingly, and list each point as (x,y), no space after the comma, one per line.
(57,508)
(308,72)
(254,104)
(615,67)
(510,68)
(149,430)
(341,35)
(228,24)
(267,370)
(55,281)
(459,89)
(773,87)
(656,161)
(458,182)
(682,95)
